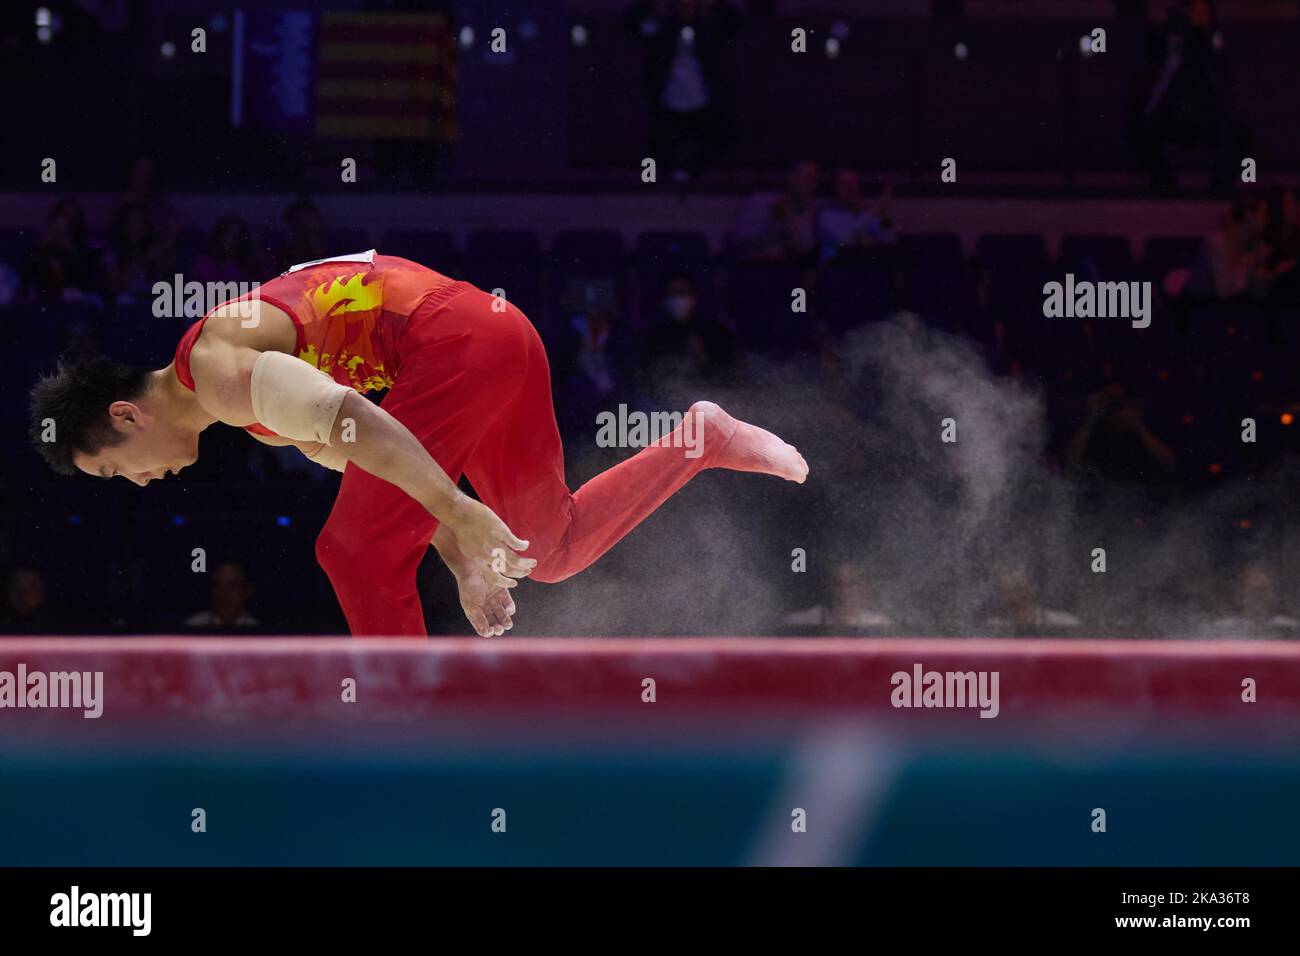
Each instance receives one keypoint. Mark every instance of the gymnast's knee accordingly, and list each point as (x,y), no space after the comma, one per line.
(553,569)
(363,566)
(339,554)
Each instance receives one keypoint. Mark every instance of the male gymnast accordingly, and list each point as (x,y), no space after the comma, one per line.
(469,392)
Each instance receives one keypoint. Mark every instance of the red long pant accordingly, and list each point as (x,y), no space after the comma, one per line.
(475,388)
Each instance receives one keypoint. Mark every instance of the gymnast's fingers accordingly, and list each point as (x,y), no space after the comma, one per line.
(495,578)
(500,618)
(508,563)
(478,620)
(500,599)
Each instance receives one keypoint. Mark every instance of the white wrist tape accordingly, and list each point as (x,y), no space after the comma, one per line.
(295,400)
(331,457)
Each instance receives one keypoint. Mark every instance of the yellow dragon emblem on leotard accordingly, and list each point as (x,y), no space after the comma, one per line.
(342,315)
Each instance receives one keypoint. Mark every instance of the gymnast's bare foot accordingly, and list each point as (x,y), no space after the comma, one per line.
(739,446)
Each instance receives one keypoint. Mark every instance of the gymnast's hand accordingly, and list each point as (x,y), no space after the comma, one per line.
(489,609)
(486,541)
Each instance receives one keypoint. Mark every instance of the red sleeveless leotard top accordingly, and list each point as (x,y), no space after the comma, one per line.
(349,313)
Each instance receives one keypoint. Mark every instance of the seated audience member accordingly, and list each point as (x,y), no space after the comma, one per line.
(1114,443)
(848,606)
(81,342)
(306,235)
(780,226)
(1236,261)
(142,188)
(230,255)
(1019,612)
(1256,607)
(682,338)
(1283,232)
(137,257)
(591,369)
(11,286)
(64,266)
(1284,239)
(26,609)
(232,589)
(847,229)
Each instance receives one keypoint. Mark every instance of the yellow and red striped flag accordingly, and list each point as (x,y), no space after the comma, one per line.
(386,76)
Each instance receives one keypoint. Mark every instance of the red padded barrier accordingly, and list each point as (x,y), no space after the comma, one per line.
(229,680)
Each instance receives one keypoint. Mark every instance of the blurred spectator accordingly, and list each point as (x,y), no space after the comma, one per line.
(11,285)
(592,366)
(1019,612)
(690,99)
(64,266)
(232,589)
(230,255)
(594,370)
(1236,261)
(1114,443)
(142,189)
(1181,99)
(848,607)
(26,610)
(847,229)
(683,339)
(81,341)
(1256,608)
(138,255)
(1283,237)
(1284,224)
(306,236)
(780,226)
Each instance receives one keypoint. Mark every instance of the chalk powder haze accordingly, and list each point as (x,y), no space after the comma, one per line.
(936,524)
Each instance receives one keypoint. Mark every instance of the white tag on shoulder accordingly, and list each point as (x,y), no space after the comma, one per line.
(367,256)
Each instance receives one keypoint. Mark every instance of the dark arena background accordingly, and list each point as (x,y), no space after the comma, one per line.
(1018,279)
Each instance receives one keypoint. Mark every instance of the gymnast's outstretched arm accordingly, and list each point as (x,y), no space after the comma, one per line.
(489,608)
(240,385)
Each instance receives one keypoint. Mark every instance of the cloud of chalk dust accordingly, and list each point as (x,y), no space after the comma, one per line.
(943,523)
(943,531)
(935,524)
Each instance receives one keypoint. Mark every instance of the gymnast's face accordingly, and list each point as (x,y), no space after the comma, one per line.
(146,447)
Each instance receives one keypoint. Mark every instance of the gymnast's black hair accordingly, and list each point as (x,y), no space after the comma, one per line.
(75,399)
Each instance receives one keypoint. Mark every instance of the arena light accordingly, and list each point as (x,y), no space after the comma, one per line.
(832,48)
(578,34)
(960,51)
(168,49)
(466,37)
